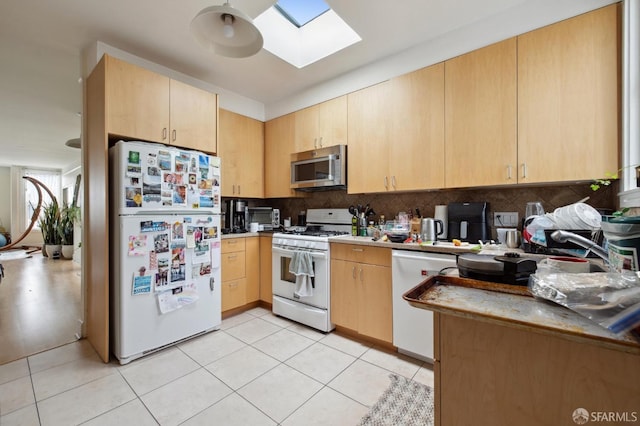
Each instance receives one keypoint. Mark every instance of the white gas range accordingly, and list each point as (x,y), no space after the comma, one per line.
(313,309)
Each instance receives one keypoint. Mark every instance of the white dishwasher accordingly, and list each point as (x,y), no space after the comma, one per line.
(413,327)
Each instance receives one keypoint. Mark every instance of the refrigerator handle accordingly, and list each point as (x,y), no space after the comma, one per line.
(212,281)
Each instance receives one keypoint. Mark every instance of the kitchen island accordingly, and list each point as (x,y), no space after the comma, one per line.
(505,359)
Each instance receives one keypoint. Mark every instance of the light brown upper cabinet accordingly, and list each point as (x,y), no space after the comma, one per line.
(568,98)
(241,150)
(278,145)
(396,134)
(369,139)
(321,125)
(194,117)
(148,106)
(416,148)
(480,117)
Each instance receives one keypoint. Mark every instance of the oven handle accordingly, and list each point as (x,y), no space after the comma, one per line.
(280,250)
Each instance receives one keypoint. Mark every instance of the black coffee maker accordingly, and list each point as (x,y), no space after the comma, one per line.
(468,221)
(234,216)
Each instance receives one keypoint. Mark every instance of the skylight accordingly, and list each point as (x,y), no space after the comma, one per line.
(300,12)
(310,31)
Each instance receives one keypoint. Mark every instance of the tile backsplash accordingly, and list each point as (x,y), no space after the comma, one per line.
(499,199)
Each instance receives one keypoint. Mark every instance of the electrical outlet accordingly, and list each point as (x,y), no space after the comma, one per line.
(505,219)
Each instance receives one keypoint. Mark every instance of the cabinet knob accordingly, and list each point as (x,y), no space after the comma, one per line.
(386,183)
(509,172)
(164,133)
(524,170)
(173,135)
(357,249)
(393,182)
(320,141)
(353,272)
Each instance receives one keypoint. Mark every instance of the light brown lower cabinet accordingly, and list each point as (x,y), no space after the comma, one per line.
(488,373)
(240,265)
(361,290)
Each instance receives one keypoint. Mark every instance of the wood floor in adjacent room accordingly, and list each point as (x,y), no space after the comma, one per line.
(40,305)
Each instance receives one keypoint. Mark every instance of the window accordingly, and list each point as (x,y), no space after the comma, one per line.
(51,179)
(303,32)
(301,12)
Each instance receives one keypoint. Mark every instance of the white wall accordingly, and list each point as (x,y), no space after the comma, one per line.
(5,198)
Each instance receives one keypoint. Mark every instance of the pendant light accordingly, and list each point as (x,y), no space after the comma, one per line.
(74,143)
(226,31)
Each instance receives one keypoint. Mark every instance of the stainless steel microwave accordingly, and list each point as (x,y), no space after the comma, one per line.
(319,169)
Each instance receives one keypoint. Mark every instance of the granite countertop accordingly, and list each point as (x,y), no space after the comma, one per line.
(440,247)
(520,311)
(242,235)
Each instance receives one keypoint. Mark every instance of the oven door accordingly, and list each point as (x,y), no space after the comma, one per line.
(284,282)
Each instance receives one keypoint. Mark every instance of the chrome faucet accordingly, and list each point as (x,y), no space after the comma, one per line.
(564,236)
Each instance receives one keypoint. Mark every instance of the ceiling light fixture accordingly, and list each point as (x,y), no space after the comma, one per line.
(74,143)
(226,31)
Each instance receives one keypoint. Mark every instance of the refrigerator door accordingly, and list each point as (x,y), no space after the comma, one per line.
(166,283)
(150,177)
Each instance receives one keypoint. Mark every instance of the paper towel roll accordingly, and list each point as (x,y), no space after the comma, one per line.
(441,214)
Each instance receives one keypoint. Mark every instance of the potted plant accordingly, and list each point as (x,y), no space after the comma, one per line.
(50,226)
(68,216)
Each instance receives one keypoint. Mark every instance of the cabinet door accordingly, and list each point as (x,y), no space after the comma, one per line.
(279,144)
(332,122)
(369,141)
(233,294)
(233,266)
(194,116)
(375,317)
(266,291)
(480,117)
(568,107)
(252,262)
(321,125)
(344,294)
(306,129)
(416,160)
(137,102)
(241,149)
(229,245)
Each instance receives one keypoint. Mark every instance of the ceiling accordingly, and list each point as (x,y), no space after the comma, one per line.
(41,44)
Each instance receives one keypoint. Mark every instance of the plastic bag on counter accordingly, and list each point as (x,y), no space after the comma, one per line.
(609,299)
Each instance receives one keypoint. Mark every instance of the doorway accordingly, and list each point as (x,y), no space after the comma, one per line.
(40,305)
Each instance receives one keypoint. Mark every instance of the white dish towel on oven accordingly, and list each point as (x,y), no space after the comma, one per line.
(301,266)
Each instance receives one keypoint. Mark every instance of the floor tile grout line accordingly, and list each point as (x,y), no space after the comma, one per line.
(138,397)
(73,388)
(280,327)
(33,389)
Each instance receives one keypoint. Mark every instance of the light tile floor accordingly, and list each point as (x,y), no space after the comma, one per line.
(258,369)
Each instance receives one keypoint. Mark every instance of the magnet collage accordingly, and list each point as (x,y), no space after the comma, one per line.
(162,179)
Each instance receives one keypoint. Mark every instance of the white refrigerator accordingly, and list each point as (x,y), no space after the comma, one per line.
(165,247)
